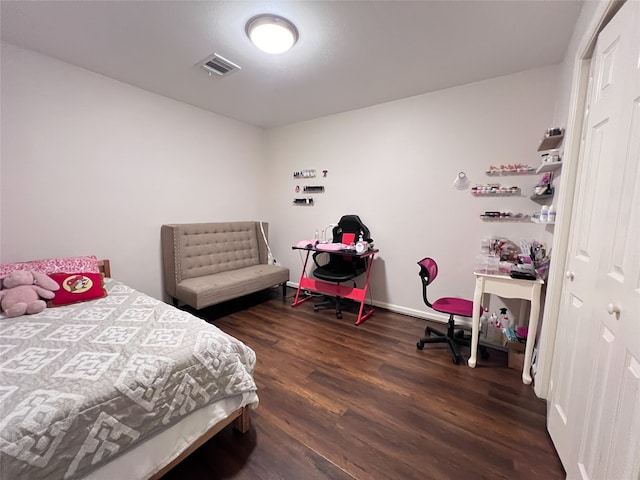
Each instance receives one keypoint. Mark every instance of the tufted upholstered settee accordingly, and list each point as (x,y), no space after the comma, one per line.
(209,263)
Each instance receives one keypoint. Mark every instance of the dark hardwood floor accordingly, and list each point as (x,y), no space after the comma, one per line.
(344,402)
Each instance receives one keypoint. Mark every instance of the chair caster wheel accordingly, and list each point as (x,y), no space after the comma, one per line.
(338,315)
(420,345)
(315,309)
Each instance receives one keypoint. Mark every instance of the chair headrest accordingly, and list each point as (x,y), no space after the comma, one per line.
(351,224)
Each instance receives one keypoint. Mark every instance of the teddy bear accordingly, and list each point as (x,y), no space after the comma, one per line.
(21,292)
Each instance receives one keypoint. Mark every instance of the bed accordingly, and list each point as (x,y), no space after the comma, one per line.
(121,386)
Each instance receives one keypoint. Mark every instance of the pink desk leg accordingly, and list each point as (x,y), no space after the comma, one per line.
(299,300)
(475,320)
(361,317)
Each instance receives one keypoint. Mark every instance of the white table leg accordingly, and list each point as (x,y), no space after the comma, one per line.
(531,335)
(475,320)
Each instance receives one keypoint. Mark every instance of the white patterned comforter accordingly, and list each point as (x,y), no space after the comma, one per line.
(82,384)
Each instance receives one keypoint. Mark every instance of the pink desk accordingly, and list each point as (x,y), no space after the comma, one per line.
(333,289)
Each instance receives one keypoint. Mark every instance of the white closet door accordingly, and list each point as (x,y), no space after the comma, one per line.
(594,411)
(614,407)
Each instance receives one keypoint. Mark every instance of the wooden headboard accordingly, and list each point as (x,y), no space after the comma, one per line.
(105,267)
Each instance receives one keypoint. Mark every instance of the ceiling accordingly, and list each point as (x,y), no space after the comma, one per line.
(350,54)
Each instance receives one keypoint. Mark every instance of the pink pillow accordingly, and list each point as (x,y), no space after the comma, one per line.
(87,264)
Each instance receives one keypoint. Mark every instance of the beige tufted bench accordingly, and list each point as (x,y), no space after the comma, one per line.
(209,263)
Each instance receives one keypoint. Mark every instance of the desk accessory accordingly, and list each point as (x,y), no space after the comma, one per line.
(307,243)
(362,246)
(524,271)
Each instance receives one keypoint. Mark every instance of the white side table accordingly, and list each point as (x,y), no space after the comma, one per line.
(507,287)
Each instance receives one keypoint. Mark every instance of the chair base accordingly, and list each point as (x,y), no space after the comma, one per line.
(453,338)
(334,302)
(454,341)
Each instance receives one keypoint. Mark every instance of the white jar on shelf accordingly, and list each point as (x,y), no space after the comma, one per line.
(544,214)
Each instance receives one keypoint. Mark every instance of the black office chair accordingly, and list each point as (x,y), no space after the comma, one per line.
(341,267)
(449,305)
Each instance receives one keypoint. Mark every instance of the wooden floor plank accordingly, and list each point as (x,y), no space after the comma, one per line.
(344,402)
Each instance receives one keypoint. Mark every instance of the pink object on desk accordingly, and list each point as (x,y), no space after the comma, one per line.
(306,243)
(348,238)
(332,247)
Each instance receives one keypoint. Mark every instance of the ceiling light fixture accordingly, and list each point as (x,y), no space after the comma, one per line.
(271,33)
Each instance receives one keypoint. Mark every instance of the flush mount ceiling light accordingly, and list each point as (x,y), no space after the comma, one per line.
(271,33)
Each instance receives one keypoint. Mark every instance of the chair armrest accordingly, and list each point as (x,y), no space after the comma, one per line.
(315,258)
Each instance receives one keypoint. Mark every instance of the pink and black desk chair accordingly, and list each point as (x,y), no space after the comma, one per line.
(451,306)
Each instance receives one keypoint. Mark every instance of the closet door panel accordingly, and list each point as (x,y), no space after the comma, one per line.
(594,414)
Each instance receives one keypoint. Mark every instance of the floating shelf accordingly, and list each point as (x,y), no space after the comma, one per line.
(521,171)
(541,198)
(506,218)
(544,196)
(547,143)
(499,193)
(548,167)
(309,173)
(537,220)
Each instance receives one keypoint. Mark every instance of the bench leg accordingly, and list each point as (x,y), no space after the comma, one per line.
(284,289)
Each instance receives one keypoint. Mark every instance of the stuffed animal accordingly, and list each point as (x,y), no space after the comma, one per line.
(21,292)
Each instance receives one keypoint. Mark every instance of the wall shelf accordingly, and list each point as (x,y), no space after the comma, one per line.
(494,190)
(549,142)
(303,201)
(544,196)
(541,198)
(518,217)
(509,193)
(537,220)
(548,167)
(514,170)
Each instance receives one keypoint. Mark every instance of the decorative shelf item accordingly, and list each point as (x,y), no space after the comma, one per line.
(552,138)
(511,169)
(494,189)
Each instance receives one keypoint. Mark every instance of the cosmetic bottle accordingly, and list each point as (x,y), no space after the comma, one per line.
(544,213)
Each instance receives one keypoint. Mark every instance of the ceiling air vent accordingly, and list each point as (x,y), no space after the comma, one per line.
(219,65)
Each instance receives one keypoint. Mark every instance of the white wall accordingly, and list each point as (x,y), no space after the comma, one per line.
(94,166)
(394,165)
(590,15)
(70,135)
